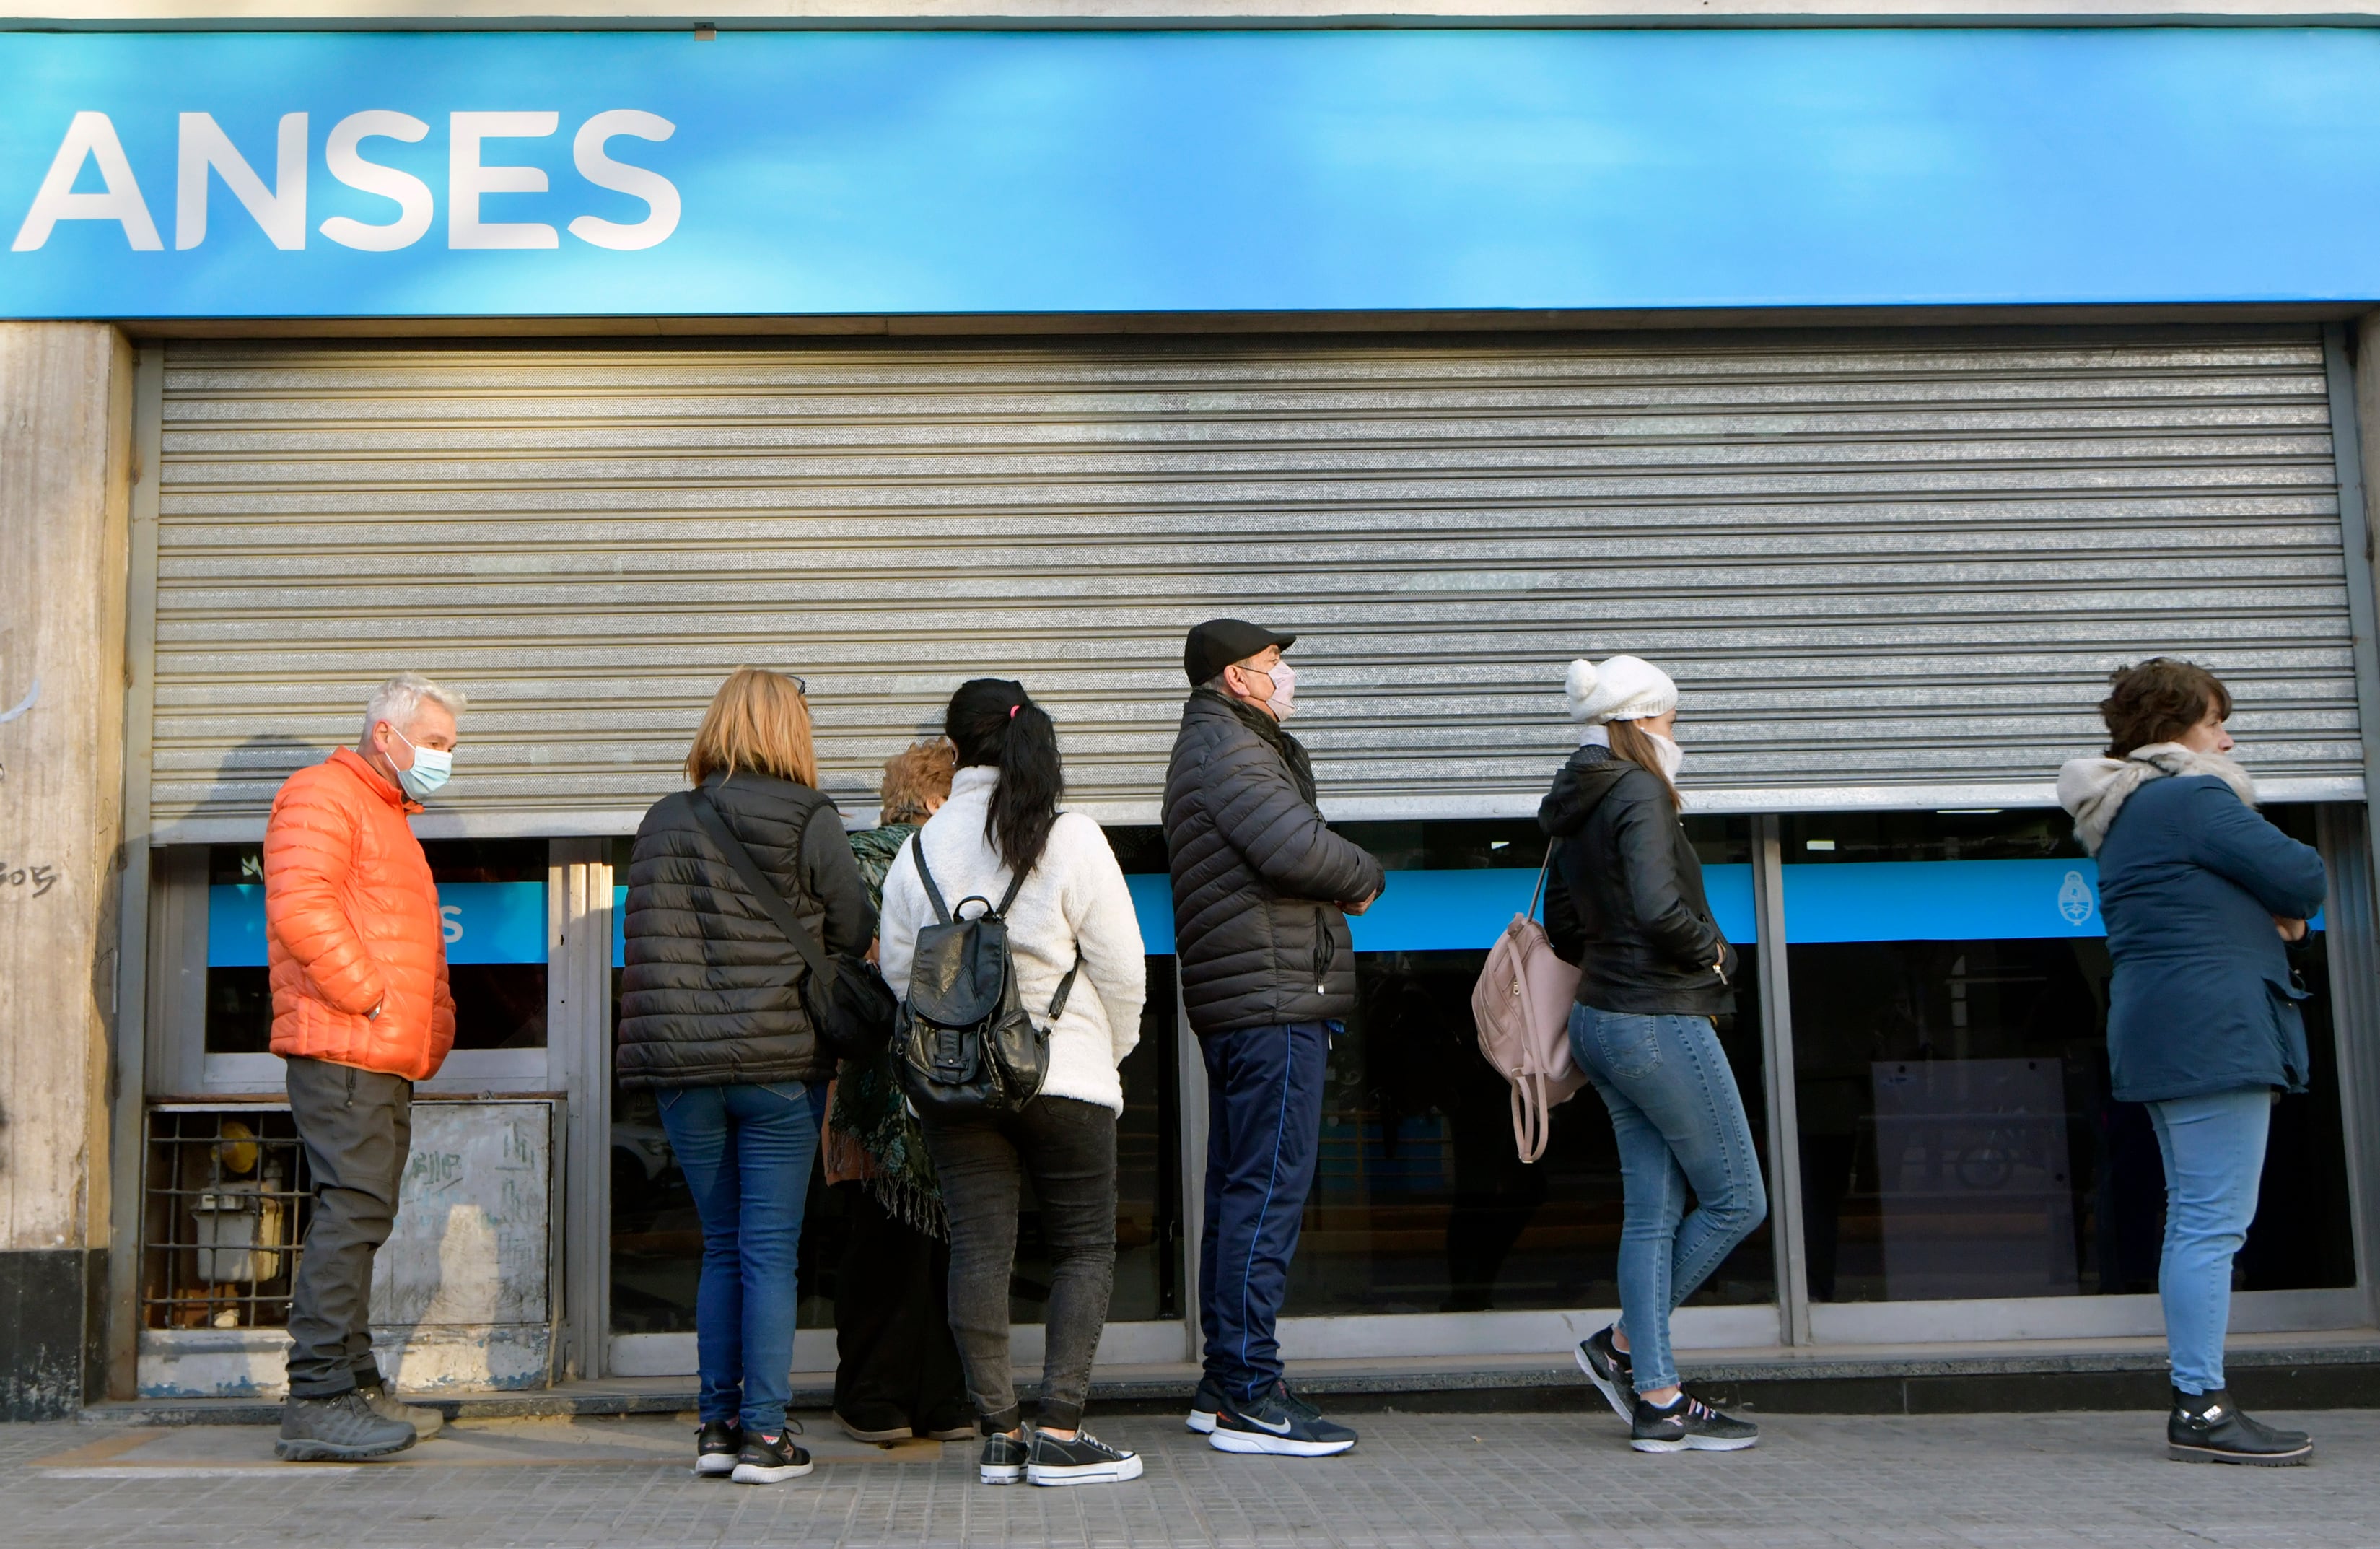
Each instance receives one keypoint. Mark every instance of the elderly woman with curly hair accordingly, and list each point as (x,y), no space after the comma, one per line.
(897,1371)
(2200,894)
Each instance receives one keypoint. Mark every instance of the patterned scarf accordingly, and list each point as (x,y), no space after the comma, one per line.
(869,1105)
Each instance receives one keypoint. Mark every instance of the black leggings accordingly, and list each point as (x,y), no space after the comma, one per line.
(1068,1148)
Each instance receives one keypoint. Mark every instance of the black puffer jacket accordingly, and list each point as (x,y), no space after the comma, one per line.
(1257,876)
(1625,901)
(711,991)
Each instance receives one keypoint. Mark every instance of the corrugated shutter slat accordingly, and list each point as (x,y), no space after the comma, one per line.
(1887,567)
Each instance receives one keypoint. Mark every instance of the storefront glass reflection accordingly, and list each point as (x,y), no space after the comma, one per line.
(1421,1204)
(1958,1135)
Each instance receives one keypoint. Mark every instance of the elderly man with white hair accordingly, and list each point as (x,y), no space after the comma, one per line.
(360,1012)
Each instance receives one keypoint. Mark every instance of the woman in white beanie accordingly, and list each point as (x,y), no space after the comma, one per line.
(1625,903)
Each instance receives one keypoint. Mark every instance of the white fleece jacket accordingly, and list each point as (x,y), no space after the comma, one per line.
(1074,901)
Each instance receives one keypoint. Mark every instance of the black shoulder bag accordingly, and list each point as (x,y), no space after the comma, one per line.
(850,1007)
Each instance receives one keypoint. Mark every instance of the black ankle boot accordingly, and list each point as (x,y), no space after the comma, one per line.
(2206,1428)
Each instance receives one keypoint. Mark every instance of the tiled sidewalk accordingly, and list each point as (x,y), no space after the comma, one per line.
(1996,1481)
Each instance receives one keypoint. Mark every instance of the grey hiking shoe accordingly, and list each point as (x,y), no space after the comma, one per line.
(342,1427)
(425,1421)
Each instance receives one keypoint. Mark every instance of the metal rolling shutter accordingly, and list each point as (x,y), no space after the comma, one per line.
(1886,568)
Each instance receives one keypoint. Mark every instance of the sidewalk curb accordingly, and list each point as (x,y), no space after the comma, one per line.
(2316,1377)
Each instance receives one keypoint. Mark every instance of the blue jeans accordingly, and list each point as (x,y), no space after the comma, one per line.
(2213,1149)
(746,1154)
(1680,1121)
(1264,1136)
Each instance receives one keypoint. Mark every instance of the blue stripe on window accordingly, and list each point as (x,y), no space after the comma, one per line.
(1944,901)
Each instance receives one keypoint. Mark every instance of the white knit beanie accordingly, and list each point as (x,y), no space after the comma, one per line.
(1622,689)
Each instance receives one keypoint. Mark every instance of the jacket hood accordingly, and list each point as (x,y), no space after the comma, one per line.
(2095,790)
(1592,773)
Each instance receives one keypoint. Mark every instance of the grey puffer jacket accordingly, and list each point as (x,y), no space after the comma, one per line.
(711,990)
(1258,875)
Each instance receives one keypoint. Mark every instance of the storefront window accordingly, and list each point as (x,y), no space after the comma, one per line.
(492,897)
(1421,1204)
(1958,1135)
(657,1237)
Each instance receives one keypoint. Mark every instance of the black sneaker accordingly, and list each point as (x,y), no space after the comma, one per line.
(1004,1459)
(1205,1405)
(2206,1428)
(1609,1369)
(1084,1461)
(715,1447)
(1278,1424)
(343,1426)
(765,1459)
(1689,1426)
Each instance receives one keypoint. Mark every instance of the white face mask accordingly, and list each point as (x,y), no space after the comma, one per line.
(1673,758)
(1284,689)
(432,768)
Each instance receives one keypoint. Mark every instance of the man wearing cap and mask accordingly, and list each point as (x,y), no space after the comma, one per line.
(1261,892)
(360,1012)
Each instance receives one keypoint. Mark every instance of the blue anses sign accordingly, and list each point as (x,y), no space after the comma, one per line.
(391,174)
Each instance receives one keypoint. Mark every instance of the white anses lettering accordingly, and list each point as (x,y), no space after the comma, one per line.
(204,151)
(280,211)
(636,182)
(90,138)
(466,179)
(344,156)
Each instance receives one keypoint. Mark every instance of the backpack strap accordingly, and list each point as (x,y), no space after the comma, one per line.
(1538,893)
(1014,885)
(1065,985)
(756,882)
(926,875)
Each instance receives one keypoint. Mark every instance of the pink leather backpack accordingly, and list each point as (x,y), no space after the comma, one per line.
(1521,1004)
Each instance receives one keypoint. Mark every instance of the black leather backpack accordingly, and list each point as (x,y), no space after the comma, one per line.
(967,1048)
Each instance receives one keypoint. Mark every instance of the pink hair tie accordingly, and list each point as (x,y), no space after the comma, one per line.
(1013,710)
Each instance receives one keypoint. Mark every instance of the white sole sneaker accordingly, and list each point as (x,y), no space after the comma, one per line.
(1001,1473)
(1085,1474)
(716,1465)
(1200,1420)
(1696,1444)
(753,1473)
(1225,1439)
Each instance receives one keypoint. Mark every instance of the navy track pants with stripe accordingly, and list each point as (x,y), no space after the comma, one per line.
(1264,1131)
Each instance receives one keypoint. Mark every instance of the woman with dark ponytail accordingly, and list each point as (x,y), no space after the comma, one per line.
(1072,911)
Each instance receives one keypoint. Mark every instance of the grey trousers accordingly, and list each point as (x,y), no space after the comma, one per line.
(356,1126)
(1069,1149)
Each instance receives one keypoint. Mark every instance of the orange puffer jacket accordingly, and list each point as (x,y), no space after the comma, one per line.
(351,921)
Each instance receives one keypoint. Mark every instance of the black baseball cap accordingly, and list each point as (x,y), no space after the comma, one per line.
(1219,642)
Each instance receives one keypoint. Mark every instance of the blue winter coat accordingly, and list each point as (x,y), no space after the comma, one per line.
(2189,878)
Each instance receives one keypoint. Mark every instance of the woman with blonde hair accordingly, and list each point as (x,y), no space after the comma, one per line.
(711,1016)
